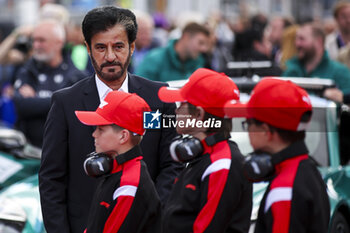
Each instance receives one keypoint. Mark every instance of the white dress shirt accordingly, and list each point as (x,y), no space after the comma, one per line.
(103,89)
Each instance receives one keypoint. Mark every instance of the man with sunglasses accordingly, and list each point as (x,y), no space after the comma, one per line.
(296,200)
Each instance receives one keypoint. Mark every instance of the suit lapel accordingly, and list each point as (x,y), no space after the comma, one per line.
(133,85)
(91,99)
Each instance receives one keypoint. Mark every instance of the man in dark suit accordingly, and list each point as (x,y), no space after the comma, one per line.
(65,190)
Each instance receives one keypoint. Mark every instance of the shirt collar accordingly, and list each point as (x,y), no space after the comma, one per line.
(124,86)
(295,149)
(213,139)
(125,157)
(103,89)
(206,148)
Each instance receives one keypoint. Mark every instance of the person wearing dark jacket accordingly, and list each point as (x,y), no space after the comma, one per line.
(211,194)
(296,199)
(125,199)
(65,191)
(249,46)
(47,71)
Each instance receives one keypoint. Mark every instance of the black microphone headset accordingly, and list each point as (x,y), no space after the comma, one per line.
(98,164)
(259,166)
(182,149)
(186,148)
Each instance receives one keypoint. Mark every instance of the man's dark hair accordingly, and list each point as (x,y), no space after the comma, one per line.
(287,22)
(226,124)
(103,18)
(194,28)
(258,22)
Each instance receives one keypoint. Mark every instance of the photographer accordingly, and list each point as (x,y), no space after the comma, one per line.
(15,48)
(45,72)
(14,52)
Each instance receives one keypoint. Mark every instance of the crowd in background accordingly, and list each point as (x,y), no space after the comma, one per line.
(167,50)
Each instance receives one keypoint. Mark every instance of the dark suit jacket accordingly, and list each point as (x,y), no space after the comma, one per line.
(65,190)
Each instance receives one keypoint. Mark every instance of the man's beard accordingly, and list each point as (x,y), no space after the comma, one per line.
(110,77)
(42,57)
(308,55)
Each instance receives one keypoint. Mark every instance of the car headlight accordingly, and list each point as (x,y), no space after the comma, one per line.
(12,216)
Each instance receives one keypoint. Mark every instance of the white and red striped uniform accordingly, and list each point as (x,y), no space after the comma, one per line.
(126,200)
(296,200)
(211,194)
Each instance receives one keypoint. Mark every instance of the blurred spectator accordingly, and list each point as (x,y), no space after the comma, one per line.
(180,58)
(288,48)
(312,59)
(344,55)
(40,76)
(15,48)
(183,19)
(221,28)
(144,39)
(54,11)
(6,27)
(74,50)
(161,27)
(334,93)
(240,25)
(330,25)
(275,31)
(14,52)
(258,22)
(337,95)
(252,45)
(222,38)
(340,37)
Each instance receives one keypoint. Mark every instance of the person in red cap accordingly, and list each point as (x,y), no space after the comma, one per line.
(278,113)
(211,194)
(126,199)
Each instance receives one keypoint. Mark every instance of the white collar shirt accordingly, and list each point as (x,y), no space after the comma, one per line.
(103,89)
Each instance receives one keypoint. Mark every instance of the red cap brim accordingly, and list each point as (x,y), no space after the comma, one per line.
(170,95)
(91,118)
(233,108)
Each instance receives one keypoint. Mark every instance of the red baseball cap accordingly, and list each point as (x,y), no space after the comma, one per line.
(277,102)
(120,108)
(205,88)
